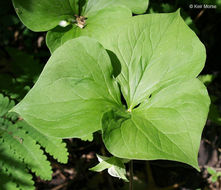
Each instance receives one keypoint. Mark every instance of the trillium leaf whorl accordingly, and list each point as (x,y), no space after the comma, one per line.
(166,107)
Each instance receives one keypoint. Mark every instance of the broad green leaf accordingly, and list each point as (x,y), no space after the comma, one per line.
(137,7)
(43,15)
(74,90)
(166,126)
(154,50)
(74,4)
(96,26)
(101,15)
(167,107)
(169,8)
(114,165)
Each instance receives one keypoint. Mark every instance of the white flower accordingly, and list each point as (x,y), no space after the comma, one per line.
(63,23)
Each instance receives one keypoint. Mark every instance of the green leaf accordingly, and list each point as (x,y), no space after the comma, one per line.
(167,106)
(214,178)
(211,171)
(206,79)
(137,7)
(154,50)
(5,105)
(96,25)
(43,15)
(104,163)
(7,185)
(160,58)
(14,169)
(26,148)
(74,90)
(101,15)
(88,138)
(114,165)
(74,4)
(54,146)
(167,126)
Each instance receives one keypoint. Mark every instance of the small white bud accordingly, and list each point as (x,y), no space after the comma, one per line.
(63,23)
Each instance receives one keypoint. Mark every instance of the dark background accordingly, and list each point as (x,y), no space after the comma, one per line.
(23,54)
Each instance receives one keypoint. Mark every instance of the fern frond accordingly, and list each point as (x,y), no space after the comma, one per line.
(54,146)
(6,184)
(5,105)
(28,151)
(4,124)
(13,170)
(20,150)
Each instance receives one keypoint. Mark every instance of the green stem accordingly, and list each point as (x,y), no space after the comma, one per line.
(131,175)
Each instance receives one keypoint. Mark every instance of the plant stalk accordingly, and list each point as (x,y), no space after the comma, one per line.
(131,175)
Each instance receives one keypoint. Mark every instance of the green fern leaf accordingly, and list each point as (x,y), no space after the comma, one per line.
(4,124)
(29,151)
(54,146)
(13,170)
(6,184)
(5,105)
(20,150)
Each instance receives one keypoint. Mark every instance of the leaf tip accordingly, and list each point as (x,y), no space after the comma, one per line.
(12,110)
(196,166)
(178,12)
(15,109)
